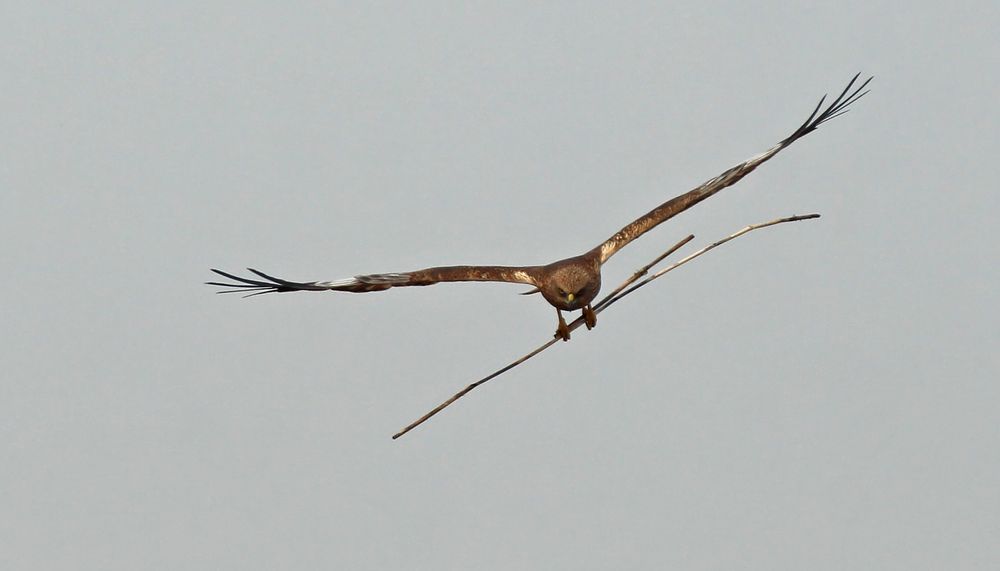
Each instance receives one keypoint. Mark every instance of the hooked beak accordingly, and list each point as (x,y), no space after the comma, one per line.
(570,297)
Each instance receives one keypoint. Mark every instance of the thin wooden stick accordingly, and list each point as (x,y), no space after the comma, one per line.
(641,272)
(606,302)
(619,292)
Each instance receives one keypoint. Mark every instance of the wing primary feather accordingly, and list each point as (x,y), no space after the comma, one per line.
(237,278)
(244,288)
(837,108)
(272,290)
(271,286)
(308,286)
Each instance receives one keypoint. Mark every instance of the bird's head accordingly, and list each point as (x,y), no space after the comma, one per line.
(571,286)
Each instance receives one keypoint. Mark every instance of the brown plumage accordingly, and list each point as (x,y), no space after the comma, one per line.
(567,284)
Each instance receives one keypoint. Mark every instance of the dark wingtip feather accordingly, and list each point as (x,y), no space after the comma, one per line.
(243,286)
(835,109)
(278,281)
(272,285)
(271,290)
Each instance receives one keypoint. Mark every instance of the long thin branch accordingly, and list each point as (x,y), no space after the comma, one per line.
(619,292)
(606,302)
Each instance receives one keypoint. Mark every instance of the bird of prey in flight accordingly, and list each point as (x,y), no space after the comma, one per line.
(568,284)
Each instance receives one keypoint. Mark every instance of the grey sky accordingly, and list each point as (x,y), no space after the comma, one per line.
(815,396)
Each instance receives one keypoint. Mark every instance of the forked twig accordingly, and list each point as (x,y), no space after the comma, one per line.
(621,291)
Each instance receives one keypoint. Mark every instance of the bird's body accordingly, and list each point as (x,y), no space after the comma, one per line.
(567,284)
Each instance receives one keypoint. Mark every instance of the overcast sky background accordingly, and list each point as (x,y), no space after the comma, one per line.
(820,395)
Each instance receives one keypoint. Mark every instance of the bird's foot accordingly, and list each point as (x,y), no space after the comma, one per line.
(562,332)
(589,317)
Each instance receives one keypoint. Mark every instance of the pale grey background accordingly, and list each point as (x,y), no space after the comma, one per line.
(816,396)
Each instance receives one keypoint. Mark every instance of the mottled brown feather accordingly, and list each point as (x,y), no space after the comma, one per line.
(510,274)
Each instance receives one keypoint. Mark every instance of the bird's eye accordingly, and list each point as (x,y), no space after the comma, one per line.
(562,293)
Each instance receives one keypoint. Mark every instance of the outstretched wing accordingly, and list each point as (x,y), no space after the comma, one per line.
(379,282)
(681,203)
